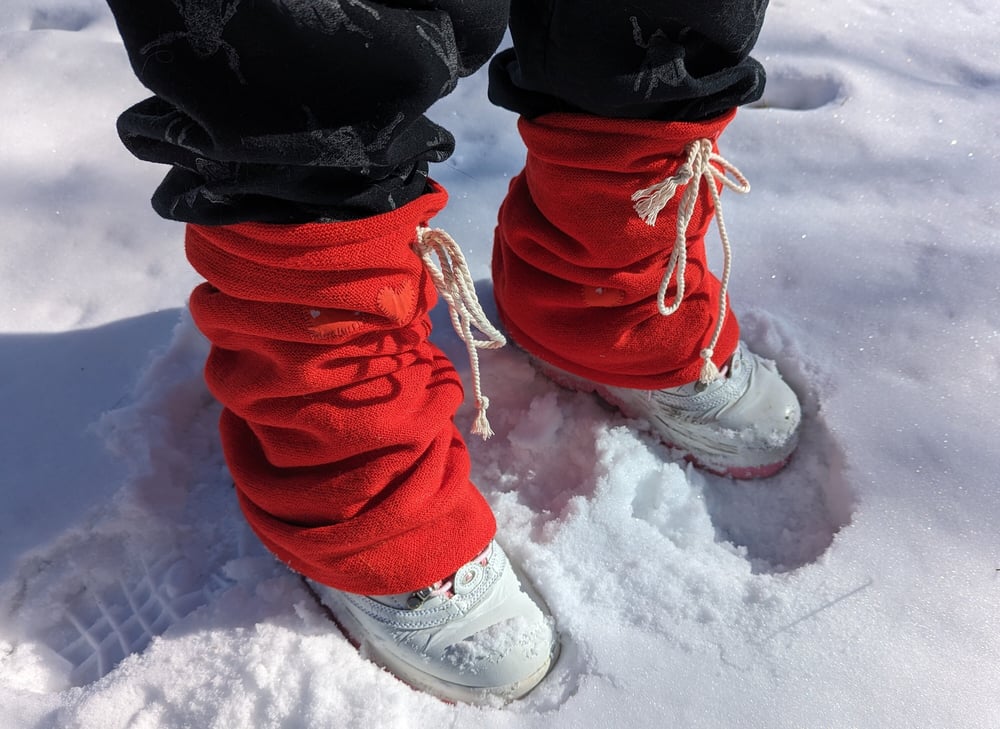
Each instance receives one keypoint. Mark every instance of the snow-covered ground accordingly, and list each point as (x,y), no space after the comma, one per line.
(857,590)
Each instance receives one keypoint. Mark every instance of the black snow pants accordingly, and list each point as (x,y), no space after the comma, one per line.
(290,111)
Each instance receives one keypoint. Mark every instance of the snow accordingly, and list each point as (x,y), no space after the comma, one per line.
(856,590)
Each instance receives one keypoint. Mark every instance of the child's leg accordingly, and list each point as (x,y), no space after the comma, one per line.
(299,148)
(295,113)
(600,266)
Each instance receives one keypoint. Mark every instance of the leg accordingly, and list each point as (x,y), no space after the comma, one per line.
(254,135)
(298,146)
(599,263)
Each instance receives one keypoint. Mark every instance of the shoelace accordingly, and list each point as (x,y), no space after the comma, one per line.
(455,285)
(651,200)
(418,598)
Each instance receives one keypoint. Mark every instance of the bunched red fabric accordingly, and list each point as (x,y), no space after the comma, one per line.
(337,422)
(576,270)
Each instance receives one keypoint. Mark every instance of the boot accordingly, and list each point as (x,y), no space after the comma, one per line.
(480,636)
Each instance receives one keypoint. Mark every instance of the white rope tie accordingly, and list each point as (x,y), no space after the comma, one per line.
(455,285)
(651,200)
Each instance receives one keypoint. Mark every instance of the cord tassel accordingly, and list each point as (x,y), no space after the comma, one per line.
(455,285)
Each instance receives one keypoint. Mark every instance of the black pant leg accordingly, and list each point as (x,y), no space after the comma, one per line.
(296,110)
(646,59)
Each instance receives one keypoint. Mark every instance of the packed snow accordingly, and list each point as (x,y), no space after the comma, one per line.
(856,590)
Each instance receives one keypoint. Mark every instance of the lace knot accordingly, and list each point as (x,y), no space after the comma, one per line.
(698,167)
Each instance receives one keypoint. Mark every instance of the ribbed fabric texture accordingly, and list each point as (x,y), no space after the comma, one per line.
(576,271)
(337,422)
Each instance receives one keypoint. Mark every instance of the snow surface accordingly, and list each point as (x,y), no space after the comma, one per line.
(856,590)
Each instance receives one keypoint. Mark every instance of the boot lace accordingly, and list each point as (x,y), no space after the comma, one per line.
(649,201)
(455,285)
(443,587)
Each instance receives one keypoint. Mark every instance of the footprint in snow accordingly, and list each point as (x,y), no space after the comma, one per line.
(62,18)
(797,91)
(104,625)
(789,520)
(88,604)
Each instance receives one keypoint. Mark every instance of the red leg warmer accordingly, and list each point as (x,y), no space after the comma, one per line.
(337,425)
(576,270)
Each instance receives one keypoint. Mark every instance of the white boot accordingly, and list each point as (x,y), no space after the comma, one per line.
(743,424)
(477,637)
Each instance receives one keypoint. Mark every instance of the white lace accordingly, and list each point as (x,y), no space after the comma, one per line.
(455,285)
(651,200)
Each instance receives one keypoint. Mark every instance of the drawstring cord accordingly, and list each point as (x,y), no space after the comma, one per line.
(651,200)
(455,285)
